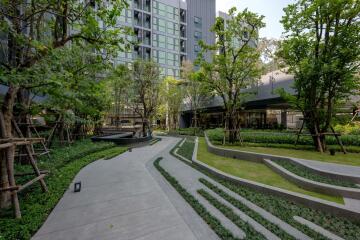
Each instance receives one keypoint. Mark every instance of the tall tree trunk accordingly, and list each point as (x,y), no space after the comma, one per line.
(6,117)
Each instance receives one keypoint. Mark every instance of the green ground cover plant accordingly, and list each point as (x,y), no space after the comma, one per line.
(35,205)
(187,149)
(254,171)
(242,207)
(286,210)
(308,174)
(250,232)
(212,221)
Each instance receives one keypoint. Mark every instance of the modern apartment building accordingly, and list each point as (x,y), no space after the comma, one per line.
(168,31)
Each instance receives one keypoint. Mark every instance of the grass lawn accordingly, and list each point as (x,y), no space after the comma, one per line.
(340,158)
(254,171)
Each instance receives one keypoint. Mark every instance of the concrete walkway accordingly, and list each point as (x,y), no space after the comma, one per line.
(120,199)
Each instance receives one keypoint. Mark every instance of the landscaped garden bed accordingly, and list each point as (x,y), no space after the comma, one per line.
(254,171)
(212,221)
(308,174)
(288,149)
(64,164)
(286,210)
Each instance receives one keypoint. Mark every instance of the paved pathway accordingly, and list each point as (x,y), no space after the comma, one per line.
(120,199)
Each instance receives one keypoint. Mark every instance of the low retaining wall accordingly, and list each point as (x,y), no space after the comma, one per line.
(312,185)
(122,141)
(259,157)
(308,201)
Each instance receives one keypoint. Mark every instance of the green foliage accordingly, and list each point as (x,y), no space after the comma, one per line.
(212,221)
(242,207)
(352,129)
(235,61)
(145,90)
(285,210)
(188,131)
(277,138)
(308,174)
(322,50)
(36,205)
(250,232)
(187,149)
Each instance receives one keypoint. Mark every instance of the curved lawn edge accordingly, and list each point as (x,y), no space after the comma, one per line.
(259,157)
(313,185)
(308,201)
(38,208)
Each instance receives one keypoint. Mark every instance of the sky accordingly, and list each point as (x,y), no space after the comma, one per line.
(271,9)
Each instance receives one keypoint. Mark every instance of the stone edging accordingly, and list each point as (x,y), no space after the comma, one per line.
(313,185)
(308,201)
(259,157)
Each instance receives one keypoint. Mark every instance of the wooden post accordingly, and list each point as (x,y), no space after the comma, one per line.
(338,140)
(10,170)
(299,133)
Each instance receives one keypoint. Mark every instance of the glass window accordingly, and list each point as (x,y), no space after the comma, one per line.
(198,35)
(198,22)
(197,48)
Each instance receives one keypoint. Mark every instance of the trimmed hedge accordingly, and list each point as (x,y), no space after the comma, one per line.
(250,232)
(188,132)
(212,221)
(36,205)
(253,214)
(308,174)
(285,210)
(273,137)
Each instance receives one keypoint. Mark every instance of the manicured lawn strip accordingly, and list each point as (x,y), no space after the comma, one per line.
(308,174)
(254,215)
(212,221)
(282,137)
(352,159)
(36,205)
(250,232)
(187,149)
(285,210)
(253,171)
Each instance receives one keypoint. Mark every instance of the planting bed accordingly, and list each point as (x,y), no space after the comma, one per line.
(285,210)
(308,174)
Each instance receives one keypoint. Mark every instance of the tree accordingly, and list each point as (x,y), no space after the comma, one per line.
(145,87)
(79,88)
(268,48)
(235,62)
(33,29)
(119,80)
(321,49)
(172,95)
(195,90)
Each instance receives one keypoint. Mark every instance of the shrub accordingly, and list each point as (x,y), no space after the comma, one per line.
(272,137)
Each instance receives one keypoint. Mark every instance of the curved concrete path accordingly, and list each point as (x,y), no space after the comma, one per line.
(120,199)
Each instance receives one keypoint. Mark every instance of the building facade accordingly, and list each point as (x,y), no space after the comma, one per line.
(167,31)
